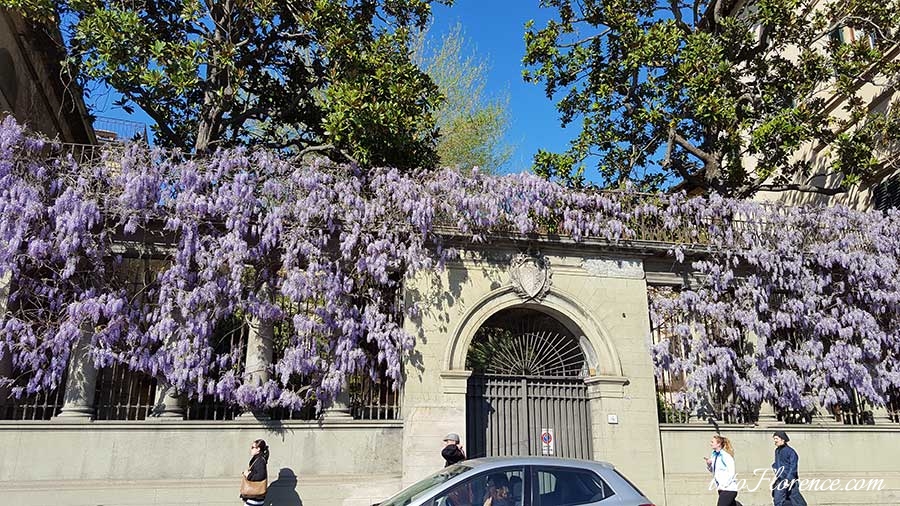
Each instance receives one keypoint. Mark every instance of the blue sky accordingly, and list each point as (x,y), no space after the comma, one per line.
(494,30)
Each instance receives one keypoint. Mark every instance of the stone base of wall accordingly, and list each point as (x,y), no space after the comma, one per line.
(348,490)
(838,457)
(344,463)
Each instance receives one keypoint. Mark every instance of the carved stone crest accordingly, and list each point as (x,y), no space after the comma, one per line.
(530,275)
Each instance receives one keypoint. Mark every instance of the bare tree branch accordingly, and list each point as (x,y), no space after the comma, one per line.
(586,39)
(675,6)
(694,150)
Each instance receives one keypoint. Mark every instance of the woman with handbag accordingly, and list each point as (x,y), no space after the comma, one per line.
(256,479)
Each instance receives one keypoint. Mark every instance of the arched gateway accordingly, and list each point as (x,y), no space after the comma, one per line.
(527,395)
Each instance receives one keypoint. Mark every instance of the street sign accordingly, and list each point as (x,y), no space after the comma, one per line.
(548,442)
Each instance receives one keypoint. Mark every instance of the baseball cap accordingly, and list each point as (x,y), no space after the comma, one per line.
(452,437)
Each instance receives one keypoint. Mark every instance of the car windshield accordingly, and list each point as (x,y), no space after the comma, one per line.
(416,490)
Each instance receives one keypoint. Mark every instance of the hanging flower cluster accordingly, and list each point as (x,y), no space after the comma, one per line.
(239,233)
(796,306)
(323,251)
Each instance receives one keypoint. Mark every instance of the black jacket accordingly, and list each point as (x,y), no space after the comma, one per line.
(258,471)
(452,454)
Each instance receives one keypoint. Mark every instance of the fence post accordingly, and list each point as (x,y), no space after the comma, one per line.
(78,401)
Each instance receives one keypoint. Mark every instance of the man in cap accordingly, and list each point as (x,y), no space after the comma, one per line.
(452,451)
(786,490)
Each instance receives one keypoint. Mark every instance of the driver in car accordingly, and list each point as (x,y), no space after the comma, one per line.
(498,493)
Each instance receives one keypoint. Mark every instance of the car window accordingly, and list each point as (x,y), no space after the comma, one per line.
(569,487)
(422,487)
(499,487)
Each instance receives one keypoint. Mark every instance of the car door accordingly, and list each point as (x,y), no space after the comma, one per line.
(570,486)
(495,487)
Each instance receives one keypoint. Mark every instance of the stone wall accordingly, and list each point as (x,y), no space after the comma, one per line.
(601,298)
(827,453)
(352,463)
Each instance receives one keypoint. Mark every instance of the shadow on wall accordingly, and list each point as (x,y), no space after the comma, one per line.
(283,491)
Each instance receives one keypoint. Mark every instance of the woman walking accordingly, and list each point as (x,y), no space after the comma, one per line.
(255,483)
(721,464)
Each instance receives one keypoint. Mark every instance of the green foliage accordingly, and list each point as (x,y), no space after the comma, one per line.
(724,96)
(334,76)
(471,125)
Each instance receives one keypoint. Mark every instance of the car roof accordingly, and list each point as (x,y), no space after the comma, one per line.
(536,461)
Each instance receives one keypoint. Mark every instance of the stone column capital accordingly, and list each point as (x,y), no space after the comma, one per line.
(455,381)
(606,386)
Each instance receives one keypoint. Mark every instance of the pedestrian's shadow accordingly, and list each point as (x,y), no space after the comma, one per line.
(283,491)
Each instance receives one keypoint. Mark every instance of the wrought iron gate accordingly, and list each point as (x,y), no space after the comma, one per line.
(506,414)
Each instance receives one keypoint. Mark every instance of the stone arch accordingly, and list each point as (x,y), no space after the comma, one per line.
(598,348)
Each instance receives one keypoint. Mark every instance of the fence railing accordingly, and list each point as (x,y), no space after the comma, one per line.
(35,407)
(640,226)
(373,400)
(123,394)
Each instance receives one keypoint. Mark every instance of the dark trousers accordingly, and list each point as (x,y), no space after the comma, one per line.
(788,496)
(727,498)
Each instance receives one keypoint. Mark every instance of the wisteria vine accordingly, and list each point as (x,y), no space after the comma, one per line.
(251,233)
(795,306)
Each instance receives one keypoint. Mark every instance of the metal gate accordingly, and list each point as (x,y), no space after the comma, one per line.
(505,415)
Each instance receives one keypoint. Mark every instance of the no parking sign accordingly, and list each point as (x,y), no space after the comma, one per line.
(548,442)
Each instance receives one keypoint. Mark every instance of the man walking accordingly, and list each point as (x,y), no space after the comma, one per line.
(786,491)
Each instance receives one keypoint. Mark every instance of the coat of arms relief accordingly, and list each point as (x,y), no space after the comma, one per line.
(530,276)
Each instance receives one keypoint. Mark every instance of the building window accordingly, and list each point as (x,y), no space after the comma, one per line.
(837,36)
(887,194)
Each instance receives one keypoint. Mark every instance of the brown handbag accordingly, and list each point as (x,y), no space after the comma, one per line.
(253,489)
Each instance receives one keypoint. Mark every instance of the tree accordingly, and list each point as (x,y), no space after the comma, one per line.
(471,125)
(719,94)
(321,75)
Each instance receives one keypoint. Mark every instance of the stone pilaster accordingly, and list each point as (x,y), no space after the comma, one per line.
(767,416)
(6,369)
(882,416)
(339,409)
(170,406)
(259,359)
(81,384)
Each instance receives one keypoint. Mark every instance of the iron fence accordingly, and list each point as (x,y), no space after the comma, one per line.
(229,337)
(373,399)
(33,407)
(123,394)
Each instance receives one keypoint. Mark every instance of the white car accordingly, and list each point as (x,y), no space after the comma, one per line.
(522,481)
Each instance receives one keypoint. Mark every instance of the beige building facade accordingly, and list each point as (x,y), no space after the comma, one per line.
(881,190)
